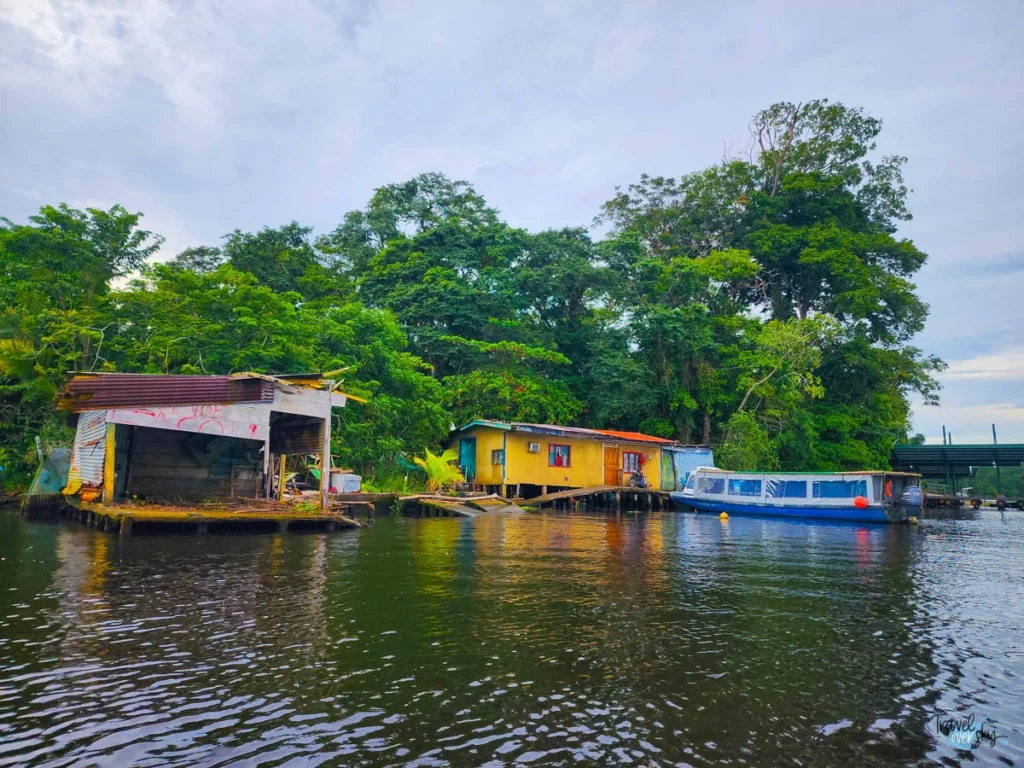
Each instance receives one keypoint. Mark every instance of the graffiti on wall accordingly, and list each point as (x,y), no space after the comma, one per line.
(227,420)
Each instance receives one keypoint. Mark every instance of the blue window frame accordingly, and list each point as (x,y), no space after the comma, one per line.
(742,487)
(840,489)
(712,485)
(559,455)
(787,489)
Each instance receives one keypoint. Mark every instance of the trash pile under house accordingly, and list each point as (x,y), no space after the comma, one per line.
(200,438)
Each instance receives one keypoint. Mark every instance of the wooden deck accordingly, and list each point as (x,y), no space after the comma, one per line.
(611,496)
(201,518)
(460,506)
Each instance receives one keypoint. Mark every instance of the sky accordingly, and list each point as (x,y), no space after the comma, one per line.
(213,116)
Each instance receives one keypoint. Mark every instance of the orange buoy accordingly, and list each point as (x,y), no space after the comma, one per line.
(860,502)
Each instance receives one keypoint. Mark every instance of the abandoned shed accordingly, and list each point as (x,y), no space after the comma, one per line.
(193,437)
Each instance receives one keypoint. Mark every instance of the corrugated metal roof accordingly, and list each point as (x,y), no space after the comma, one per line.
(90,392)
(637,437)
(104,391)
(555,429)
(89,451)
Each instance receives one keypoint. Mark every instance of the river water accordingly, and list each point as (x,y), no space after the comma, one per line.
(572,639)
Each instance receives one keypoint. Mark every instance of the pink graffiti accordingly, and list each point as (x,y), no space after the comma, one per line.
(211,414)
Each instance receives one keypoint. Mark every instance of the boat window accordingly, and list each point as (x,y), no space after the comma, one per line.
(740,487)
(840,489)
(712,485)
(787,489)
(691,480)
(558,455)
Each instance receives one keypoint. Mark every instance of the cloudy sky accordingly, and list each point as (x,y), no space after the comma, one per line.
(213,116)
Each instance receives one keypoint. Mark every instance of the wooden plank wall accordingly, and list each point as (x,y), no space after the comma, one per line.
(162,467)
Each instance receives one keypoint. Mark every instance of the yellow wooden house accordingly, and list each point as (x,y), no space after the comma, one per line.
(529,459)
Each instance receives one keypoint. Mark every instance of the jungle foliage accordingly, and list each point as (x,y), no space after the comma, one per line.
(764,305)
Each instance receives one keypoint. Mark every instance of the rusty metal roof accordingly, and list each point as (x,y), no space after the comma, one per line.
(91,391)
(637,437)
(581,432)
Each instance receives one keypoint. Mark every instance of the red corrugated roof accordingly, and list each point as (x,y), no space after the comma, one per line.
(638,437)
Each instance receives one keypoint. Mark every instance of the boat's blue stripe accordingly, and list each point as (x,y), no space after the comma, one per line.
(848,514)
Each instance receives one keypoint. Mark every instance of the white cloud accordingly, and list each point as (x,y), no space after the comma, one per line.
(1004,364)
(971,424)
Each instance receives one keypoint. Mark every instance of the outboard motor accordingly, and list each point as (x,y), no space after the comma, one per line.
(912,500)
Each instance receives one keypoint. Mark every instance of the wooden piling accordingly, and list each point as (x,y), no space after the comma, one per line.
(281,476)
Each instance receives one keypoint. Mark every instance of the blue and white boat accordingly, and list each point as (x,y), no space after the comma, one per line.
(862,497)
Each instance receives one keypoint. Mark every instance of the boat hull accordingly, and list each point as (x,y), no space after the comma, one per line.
(850,514)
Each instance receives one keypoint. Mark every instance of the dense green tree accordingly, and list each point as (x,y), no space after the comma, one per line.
(55,273)
(817,216)
(200,258)
(179,321)
(404,410)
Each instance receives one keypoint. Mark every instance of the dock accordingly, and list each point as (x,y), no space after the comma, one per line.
(603,497)
(431,505)
(242,515)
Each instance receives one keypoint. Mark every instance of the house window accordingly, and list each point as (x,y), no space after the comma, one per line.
(632,461)
(558,455)
(498,457)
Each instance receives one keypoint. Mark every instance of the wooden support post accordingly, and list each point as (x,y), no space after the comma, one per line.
(126,527)
(108,463)
(267,470)
(543,490)
(504,491)
(325,463)
(282,526)
(281,476)
(618,499)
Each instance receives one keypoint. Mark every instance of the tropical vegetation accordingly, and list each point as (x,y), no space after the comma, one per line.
(764,305)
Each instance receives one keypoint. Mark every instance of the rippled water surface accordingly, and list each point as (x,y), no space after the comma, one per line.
(669,639)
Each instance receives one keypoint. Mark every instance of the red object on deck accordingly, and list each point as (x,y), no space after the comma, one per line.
(860,502)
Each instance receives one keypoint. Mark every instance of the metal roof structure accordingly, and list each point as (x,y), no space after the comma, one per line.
(579,432)
(102,391)
(958,460)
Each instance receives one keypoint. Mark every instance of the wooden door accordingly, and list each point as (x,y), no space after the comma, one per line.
(611,465)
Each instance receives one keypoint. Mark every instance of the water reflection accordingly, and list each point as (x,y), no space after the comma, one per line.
(665,638)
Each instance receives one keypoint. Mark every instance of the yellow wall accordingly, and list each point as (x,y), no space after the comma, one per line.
(586,468)
(487,440)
